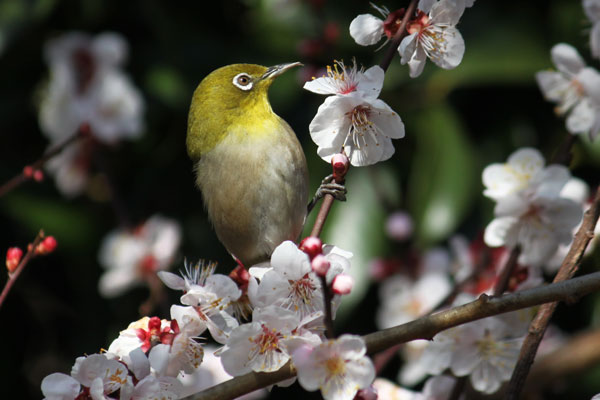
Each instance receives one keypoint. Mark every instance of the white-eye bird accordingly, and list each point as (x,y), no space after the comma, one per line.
(249,164)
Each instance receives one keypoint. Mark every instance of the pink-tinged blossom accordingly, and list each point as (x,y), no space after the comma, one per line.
(87,86)
(291,283)
(362,128)
(260,345)
(339,368)
(433,35)
(530,211)
(130,256)
(485,350)
(353,120)
(95,375)
(208,298)
(575,88)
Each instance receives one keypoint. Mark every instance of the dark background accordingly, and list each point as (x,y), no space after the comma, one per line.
(456,123)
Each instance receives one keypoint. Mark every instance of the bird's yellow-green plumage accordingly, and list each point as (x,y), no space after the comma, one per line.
(250,166)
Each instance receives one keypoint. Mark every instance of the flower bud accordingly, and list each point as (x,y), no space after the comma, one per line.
(38,175)
(312,246)
(340,164)
(369,393)
(320,265)
(13,258)
(28,171)
(47,246)
(342,284)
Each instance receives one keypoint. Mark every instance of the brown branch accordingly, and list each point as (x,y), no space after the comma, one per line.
(400,34)
(563,154)
(423,328)
(542,319)
(12,278)
(22,177)
(328,317)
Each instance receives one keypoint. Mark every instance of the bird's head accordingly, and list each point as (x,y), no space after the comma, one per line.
(232,95)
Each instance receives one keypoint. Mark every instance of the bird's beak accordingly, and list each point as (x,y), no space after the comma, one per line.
(279,69)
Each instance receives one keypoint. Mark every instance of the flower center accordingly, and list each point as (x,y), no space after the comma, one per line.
(418,24)
(345,81)
(335,366)
(302,289)
(268,340)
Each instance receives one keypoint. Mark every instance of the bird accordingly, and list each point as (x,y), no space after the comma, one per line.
(249,164)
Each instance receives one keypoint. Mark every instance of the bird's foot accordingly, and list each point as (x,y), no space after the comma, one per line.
(331,187)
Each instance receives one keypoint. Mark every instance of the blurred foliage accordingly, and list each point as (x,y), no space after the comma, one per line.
(456,123)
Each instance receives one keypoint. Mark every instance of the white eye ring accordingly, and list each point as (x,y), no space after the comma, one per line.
(243,81)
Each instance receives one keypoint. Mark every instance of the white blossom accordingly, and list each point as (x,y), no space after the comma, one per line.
(530,211)
(434,35)
(575,88)
(339,368)
(129,256)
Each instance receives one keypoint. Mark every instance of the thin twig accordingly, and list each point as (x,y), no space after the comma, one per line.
(21,178)
(400,33)
(327,297)
(563,154)
(422,328)
(542,318)
(12,278)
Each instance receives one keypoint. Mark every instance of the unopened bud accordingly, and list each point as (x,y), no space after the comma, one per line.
(13,258)
(342,284)
(320,265)
(312,246)
(38,175)
(369,393)
(28,171)
(340,164)
(47,246)
(240,276)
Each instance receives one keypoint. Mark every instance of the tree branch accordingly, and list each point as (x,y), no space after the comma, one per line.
(422,328)
(542,318)
(400,33)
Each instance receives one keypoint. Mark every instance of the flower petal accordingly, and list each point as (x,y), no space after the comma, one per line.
(366,29)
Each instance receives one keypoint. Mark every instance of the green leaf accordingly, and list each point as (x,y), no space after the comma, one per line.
(443,177)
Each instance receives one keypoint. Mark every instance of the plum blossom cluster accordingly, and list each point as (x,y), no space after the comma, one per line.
(87,88)
(132,256)
(432,33)
(531,209)
(353,120)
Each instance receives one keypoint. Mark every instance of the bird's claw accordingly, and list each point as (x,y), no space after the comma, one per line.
(331,187)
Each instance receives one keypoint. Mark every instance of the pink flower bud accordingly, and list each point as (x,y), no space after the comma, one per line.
(342,284)
(399,226)
(320,265)
(312,246)
(13,258)
(369,393)
(47,246)
(340,164)
(38,175)
(28,171)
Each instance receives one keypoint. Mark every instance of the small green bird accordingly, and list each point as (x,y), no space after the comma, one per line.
(249,164)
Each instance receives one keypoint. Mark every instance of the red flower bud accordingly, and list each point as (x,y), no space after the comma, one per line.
(340,165)
(28,171)
(312,246)
(13,258)
(47,246)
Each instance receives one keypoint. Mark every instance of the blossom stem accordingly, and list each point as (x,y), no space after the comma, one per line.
(23,177)
(327,297)
(12,278)
(424,328)
(538,326)
(400,34)
(507,270)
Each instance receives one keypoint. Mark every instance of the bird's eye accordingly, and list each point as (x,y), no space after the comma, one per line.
(243,81)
